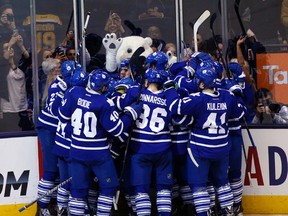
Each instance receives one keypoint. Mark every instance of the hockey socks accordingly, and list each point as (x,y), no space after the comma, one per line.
(43,187)
(164,202)
(143,204)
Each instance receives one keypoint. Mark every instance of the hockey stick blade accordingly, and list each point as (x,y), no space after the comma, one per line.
(137,61)
(197,24)
(45,194)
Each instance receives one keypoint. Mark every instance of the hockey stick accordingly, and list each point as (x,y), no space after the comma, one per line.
(135,30)
(45,194)
(136,61)
(196,26)
(249,133)
(70,20)
(236,8)
(212,20)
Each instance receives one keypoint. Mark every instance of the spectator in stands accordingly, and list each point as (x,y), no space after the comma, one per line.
(154,32)
(70,53)
(16,100)
(52,68)
(69,40)
(267,110)
(114,24)
(59,53)
(42,76)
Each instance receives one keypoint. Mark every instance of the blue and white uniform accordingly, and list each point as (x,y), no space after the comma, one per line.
(46,127)
(209,143)
(92,117)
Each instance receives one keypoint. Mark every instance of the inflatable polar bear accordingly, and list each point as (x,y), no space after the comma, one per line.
(118,49)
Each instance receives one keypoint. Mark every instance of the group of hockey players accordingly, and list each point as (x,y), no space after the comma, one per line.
(176,129)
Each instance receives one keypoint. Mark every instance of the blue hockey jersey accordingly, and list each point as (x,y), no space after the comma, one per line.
(211,112)
(47,118)
(92,116)
(151,133)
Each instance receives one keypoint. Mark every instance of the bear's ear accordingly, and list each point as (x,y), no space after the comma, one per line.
(148,40)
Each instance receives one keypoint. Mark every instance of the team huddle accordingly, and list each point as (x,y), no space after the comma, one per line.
(176,128)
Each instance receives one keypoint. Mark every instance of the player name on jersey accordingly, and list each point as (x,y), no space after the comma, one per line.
(216,106)
(83,103)
(153,99)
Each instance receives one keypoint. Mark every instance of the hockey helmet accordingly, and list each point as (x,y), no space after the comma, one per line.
(67,68)
(206,75)
(156,76)
(159,59)
(97,79)
(79,78)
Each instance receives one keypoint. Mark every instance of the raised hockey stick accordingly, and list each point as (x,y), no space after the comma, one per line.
(196,26)
(136,61)
(45,194)
(70,20)
(135,30)
(236,8)
(212,20)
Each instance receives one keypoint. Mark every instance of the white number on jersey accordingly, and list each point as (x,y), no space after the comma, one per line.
(156,123)
(210,123)
(90,122)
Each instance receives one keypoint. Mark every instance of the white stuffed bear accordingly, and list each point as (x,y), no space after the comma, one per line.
(118,49)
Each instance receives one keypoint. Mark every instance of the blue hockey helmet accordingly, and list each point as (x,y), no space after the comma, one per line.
(111,87)
(206,75)
(79,78)
(218,68)
(206,64)
(97,79)
(159,59)
(197,58)
(156,76)
(237,72)
(67,68)
(125,62)
(124,83)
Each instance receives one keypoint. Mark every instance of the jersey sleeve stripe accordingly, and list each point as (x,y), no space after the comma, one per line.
(209,137)
(90,148)
(207,145)
(150,133)
(88,139)
(151,141)
(48,123)
(63,116)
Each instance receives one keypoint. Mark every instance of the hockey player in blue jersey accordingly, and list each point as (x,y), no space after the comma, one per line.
(158,60)
(63,141)
(239,86)
(209,140)
(92,117)
(150,147)
(46,126)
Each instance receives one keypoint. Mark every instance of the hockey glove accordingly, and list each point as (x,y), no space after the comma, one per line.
(170,84)
(62,85)
(234,87)
(183,92)
(134,110)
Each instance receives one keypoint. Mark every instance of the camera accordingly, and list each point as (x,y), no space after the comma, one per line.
(275,107)
(10,17)
(60,50)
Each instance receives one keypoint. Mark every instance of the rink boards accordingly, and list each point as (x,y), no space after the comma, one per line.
(264,176)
